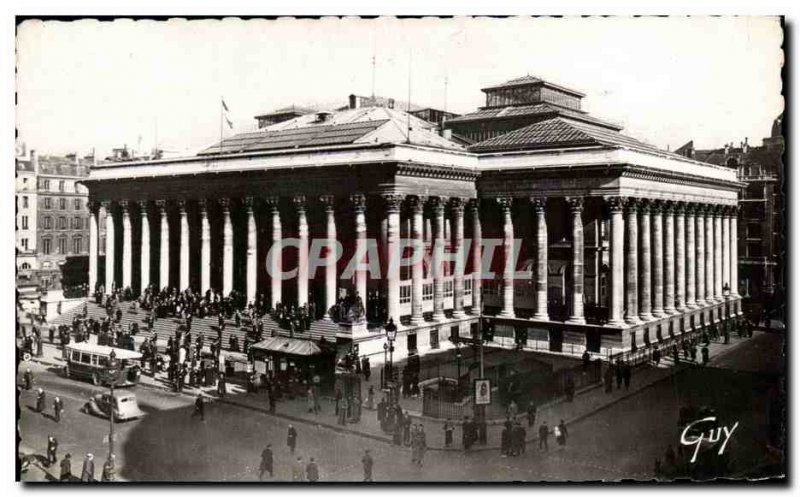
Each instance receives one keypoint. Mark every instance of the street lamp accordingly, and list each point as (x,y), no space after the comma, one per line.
(112,373)
(391,334)
(458,368)
(726,292)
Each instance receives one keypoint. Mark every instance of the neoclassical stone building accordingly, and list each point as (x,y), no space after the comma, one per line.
(603,242)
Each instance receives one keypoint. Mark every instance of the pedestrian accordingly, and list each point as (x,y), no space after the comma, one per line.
(693,352)
(505,439)
(52,448)
(367,462)
(87,474)
(448,433)
(266,462)
(58,408)
(108,469)
(422,444)
(406,429)
(544,433)
(626,374)
(312,471)
(370,398)
(298,470)
(310,400)
(27,379)
(66,468)
(586,360)
(466,433)
(199,407)
(704,352)
(221,385)
(561,433)
(657,356)
(291,438)
(41,399)
(272,400)
(531,412)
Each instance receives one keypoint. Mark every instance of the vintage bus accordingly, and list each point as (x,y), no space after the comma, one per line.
(90,361)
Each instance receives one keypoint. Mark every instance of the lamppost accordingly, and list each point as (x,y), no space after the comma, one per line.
(726,292)
(458,369)
(112,372)
(391,333)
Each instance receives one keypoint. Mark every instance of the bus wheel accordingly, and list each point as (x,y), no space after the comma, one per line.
(26,356)
(95,379)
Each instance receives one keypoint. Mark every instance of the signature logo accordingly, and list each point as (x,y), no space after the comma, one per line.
(713,436)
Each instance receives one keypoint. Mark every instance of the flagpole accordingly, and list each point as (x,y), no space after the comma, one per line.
(220,125)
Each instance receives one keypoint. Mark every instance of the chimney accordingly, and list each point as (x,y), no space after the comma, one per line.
(391,103)
(727,148)
(35,161)
(745,147)
(447,134)
(77,159)
(354,102)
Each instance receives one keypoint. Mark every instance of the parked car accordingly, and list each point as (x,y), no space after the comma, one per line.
(124,406)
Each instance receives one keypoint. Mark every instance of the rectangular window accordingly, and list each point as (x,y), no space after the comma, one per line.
(62,223)
(48,222)
(77,245)
(405,294)
(86,358)
(24,222)
(454,334)
(78,223)
(25,201)
(61,186)
(46,246)
(48,203)
(25,244)
(62,245)
(435,338)
(76,356)
(62,203)
(77,204)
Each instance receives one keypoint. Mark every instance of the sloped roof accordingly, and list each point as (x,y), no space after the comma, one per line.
(292,109)
(560,132)
(536,110)
(290,346)
(371,125)
(528,80)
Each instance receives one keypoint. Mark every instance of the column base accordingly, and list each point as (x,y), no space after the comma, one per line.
(646,316)
(541,317)
(506,314)
(576,320)
(615,324)
(439,317)
(475,311)
(417,320)
(459,314)
(670,311)
(633,320)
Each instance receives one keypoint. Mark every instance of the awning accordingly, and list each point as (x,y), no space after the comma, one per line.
(284,345)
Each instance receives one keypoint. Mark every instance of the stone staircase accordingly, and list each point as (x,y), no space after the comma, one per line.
(165,327)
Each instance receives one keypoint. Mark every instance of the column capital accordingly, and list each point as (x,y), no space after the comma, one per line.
(680,207)
(632,205)
(615,203)
(436,204)
(668,206)
(181,205)
(575,204)
(716,210)
(704,210)
(124,205)
(225,203)
(107,205)
(474,204)
(273,202)
(143,205)
(299,202)
(162,205)
(391,202)
(249,202)
(691,209)
(456,204)
(656,206)
(416,203)
(93,206)
(329,201)
(203,205)
(359,202)
(539,203)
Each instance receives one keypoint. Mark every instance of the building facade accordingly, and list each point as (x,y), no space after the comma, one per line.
(600,242)
(761,216)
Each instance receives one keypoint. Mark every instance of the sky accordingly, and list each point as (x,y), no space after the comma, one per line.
(87,85)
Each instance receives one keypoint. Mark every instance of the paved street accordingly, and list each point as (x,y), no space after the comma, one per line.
(621,441)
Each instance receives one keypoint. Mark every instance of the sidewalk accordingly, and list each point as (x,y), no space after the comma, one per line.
(586,402)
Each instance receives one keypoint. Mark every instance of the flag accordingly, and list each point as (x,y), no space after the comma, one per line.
(225,113)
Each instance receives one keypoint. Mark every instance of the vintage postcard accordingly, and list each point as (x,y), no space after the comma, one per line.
(394,250)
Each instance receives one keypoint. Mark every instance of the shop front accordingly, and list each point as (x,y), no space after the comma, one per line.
(294,364)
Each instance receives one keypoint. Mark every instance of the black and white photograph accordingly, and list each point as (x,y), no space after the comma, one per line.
(385,249)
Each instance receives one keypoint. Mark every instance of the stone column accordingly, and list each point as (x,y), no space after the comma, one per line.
(330,253)
(508,256)
(127,253)
(93,245)
(437,207)
(576,211)
(163,270)
(616,245)
(718,254)
(646,282)
(669,258)
(700,255)
(252,234)
(110,255)
(227,247)
(457,224)
(205,247)
(392,205)
(691,255)
(360,208)
(709,215)
(726,248)
(680,256)
(477,282)
(184,262)
(539,208)
(631,269)
(145,258)
(658,259)
(299,202)
(275,262)
(417,232)
(734,251)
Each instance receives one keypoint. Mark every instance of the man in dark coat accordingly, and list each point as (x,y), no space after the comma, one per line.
(518,435)
(626,374)
(608,378)
(367,462)
(312,471)
(66,468)
(52,447)
(41,399)
(505,440)
(266,462)
(466,433)
(531,413)
(58,408)
(199,407)
(704,352)
(27,379)
(87,474)
(221,384)
(291,438)
(544,434)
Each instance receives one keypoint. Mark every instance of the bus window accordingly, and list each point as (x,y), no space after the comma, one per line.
(86,358)
(94,360)
(76,356)
(104,361)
